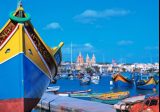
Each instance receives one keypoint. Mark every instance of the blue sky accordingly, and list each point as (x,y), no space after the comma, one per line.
(124,30)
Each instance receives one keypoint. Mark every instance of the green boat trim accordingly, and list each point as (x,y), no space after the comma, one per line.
(19,19)
(111,102)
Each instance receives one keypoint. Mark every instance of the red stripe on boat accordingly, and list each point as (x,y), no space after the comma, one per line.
(12,105)
(18,105)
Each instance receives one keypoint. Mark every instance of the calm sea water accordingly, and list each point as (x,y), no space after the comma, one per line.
(103,87)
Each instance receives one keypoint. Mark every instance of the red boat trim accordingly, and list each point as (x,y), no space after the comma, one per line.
(13,105)
(18,105)
(8,38)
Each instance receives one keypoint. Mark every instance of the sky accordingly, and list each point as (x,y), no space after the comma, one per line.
(123,30)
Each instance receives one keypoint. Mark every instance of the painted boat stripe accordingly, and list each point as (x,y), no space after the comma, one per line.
(27,58)
(38,52)
(9,37)
(36,65)
(11,57)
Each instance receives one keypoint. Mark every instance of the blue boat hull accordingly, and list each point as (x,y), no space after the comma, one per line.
(120,83)
(147,87)
(22,80)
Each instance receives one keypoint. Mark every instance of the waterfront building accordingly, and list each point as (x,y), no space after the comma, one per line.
(80,60)
(93,61)
(87,60)
(81,64)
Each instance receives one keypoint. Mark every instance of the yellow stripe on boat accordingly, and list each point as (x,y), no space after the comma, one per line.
(55,49)
(33,55)
(20,8)
(48,48)
(120,78)
(151,81)
(13,47)
(113,95)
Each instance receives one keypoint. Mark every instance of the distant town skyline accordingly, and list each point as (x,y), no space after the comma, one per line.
(122,30)
(121,61)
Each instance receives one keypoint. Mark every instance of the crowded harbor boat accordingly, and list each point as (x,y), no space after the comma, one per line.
(146,82)
(123,79)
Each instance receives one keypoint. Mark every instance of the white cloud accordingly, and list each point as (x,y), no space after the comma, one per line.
(54,26)
(125,42)
(88,45)
(90,16)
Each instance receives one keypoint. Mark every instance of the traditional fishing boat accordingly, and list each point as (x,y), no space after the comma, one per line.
(146,82)
(111,98)
(27,64)
(123,79)
(156,77)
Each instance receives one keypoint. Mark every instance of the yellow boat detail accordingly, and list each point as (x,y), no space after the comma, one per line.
(27,64)
(113,95)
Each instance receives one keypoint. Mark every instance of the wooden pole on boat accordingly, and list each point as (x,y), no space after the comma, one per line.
(19,2)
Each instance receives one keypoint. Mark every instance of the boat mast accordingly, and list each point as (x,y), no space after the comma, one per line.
(19,3)
(71,54)
(103,60)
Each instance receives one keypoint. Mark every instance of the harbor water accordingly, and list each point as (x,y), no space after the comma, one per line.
(104,86)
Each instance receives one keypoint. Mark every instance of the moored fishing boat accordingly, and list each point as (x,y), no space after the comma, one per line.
(156,77)
(146,82)
(123,79)
(26,63)
(111,98)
